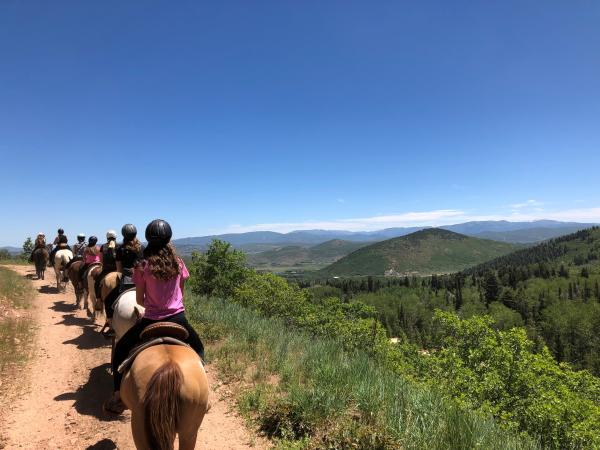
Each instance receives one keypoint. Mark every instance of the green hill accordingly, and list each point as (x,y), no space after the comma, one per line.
(294,256)
(427,251)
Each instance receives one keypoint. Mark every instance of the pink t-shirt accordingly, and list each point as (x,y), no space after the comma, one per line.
(162,298)
(90,258)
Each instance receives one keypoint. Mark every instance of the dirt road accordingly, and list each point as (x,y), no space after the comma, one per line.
(59,394)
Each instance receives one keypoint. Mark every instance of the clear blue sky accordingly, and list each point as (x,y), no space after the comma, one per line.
(223,116)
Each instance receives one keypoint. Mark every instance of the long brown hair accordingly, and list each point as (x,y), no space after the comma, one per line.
(134,245)
(163,261)
(93,250)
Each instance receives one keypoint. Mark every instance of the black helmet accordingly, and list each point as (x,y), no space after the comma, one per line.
(158,232)
(129,231)
(93,240)
(62,239)
(61,231)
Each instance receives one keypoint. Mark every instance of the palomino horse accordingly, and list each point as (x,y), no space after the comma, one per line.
(109,283)
(40,259)
(165,388)
(61,259)
(89,279)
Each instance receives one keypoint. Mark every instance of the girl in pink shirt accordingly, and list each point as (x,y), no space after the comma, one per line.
(159,282)
(91,255)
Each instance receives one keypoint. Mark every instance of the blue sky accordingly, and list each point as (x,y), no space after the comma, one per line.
(235,116)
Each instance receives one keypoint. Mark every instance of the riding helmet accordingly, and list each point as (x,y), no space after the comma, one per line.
(129,231)
(81,237)
(111,234)
(93,240)
(158,232)
(40,234)
(61,231)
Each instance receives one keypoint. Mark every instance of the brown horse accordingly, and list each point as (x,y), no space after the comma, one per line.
(73,273)
(165,388)
(40,259)
(167,391)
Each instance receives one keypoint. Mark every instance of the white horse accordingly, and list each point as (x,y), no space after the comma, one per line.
(126,313)
(61,259)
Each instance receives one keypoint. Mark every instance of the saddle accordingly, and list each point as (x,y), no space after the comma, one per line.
(90,267)
(156,334)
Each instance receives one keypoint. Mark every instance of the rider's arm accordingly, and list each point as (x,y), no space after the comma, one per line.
(139,294)
(140,285)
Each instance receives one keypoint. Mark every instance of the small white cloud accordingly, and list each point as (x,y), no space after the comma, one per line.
(424,218)
(527,204)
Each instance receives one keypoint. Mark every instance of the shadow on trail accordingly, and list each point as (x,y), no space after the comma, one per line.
(48,289)
(88,339)
(62,306)
(104,444)
(72,319)
(89,397)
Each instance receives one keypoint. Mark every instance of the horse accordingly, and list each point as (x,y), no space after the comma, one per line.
(61,259)
(109,283)
(90,275)
(165,388)
(40,259)
(78,285)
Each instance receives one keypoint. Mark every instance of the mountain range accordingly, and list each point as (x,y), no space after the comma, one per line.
(260,241)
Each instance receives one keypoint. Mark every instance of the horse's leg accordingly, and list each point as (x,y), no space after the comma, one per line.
(138,428)
(188,441)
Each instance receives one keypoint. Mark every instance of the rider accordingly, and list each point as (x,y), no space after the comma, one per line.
(60,242)
(108,253)
(128,254)
(40,242)
(159,281)
(78,249)
(91,255)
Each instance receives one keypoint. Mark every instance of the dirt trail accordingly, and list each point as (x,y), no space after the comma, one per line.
(60,392)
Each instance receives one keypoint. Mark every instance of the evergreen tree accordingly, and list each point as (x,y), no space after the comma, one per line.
(491,287)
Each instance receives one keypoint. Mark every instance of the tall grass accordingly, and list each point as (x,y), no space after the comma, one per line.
(307,392)
(16,328)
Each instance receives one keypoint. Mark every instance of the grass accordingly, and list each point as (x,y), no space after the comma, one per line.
(16,294)
(308,393)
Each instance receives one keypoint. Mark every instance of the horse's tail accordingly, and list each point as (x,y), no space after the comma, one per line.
(161,406)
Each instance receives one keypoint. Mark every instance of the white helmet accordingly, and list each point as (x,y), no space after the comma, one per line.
(111,234)
(41,234)
(81,235)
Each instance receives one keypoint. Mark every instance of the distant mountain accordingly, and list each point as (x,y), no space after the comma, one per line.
(576,249)
(297,256)
(528,235)
(433,250)
(258,241)
(12,250)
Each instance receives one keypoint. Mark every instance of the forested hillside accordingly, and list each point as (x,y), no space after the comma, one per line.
(424,252)
(303,257)
(551,289)
(461,358)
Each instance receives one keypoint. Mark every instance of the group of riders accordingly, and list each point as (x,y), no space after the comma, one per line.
(157,274)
